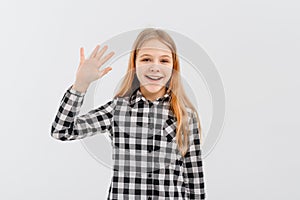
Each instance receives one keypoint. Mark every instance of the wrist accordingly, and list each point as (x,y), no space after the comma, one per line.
(80,87)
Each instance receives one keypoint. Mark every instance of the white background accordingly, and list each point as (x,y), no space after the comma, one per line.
(254,44)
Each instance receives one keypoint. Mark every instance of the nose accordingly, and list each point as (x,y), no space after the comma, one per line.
(154,68)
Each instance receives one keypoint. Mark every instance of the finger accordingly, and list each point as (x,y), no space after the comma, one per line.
(95,51)
(101,52)
(108,56)
(104,71)
(81,55)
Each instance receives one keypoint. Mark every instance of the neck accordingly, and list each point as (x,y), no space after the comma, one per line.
(153,96)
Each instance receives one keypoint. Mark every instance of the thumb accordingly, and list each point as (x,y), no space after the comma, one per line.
(104,71)
(82,58)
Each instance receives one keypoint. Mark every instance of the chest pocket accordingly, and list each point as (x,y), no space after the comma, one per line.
(169,129)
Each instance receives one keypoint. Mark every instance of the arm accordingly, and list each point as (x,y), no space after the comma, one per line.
(193,165)
(69,126)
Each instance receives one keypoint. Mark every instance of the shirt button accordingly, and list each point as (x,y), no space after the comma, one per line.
(149,198)
(149,175)
(180,162)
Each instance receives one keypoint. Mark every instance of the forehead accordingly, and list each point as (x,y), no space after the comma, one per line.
(154,47)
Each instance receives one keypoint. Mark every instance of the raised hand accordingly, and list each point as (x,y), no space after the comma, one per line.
(88,70)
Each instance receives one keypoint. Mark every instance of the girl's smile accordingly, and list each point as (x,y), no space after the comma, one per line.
(154,78)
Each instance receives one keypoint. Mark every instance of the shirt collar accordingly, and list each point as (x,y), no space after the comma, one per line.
(137,96)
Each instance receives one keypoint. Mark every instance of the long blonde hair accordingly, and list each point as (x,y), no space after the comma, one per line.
(179,100)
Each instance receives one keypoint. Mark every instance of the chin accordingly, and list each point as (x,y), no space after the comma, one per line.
(153,88)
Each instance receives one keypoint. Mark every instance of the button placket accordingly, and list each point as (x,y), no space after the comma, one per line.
(150,145)
(151,129)
(150,118)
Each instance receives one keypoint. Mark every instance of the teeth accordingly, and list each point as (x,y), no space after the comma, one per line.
(154,77)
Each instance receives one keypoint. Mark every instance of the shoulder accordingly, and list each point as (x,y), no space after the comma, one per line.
(191,114)
(120,101)
(193,122)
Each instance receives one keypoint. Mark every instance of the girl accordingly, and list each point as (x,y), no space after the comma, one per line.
(154,128)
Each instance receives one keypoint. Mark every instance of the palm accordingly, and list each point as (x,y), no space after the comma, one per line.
(88,70)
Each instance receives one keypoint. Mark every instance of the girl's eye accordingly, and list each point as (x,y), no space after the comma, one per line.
(146,59)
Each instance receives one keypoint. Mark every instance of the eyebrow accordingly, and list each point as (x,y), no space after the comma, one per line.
(151,55)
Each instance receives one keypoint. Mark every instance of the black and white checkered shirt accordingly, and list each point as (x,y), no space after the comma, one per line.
(147,163)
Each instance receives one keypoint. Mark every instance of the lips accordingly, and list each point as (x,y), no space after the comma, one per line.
(154,78)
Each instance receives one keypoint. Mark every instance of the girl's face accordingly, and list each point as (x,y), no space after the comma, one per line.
(154,65)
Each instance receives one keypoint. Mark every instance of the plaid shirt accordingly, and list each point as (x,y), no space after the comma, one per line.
(147,163)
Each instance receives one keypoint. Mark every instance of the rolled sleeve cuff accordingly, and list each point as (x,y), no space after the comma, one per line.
(75,92)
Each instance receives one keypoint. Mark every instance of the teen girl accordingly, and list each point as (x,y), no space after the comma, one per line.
(154,128)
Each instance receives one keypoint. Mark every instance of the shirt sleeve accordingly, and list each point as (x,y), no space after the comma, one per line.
(67,125)
(193,165)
